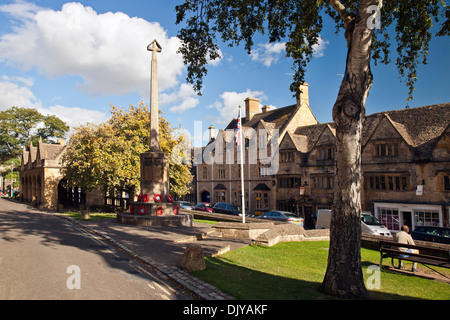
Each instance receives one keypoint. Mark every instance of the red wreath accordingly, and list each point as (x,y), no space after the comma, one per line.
(176,210)
(142,210)
(140,197)
(146,198)
(157,198)
(160,211)
(131,209)
(169,198)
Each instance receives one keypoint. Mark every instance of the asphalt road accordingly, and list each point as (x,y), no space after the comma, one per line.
(47,257)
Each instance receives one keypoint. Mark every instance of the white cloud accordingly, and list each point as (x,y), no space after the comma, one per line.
(180,101)
(229,102)
(14,95)
(73,116)
(108,51)
(16,91)
(320,47)
(268,53)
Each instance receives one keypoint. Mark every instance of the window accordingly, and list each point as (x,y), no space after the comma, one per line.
(221,171)
(426,218)
(323,182)
(263,170)
(219,196)
(389,218)
(262,201)
(205,172)
(287,156)
(447,183)
(289,183)
(325,153)
(392,182)
(386,149)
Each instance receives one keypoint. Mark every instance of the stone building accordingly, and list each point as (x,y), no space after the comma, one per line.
(405,164)
(43,185)
(405,167)
(218,171)
(40,174)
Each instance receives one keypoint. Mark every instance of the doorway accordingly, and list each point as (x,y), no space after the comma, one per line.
(407,219)
(205,197)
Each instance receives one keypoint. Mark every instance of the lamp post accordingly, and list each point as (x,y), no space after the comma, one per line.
(12,168)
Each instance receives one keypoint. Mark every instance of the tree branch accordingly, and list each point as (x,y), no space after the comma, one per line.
(342,11)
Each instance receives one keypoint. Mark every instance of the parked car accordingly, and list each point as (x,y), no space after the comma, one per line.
(204,206)
(371,225)
(433,234)
(226,208)
(284,216)
(185,205)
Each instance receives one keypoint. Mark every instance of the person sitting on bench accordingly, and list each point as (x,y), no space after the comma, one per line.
(404,237)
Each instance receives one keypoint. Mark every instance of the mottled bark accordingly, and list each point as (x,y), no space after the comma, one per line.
(344,276)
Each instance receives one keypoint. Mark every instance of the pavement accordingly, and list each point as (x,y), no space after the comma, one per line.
(162,248)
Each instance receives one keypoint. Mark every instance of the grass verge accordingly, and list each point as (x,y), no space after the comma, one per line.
(294,270)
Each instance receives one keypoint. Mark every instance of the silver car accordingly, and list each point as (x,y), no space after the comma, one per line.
(284,216)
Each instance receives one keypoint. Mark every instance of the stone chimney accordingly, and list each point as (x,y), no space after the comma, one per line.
(304,95)
(265,109)
(251,108)
(212,133)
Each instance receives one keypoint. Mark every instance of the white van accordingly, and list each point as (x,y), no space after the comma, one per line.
(369,224)
(323,219)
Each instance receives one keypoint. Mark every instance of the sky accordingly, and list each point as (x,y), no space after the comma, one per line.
(75,59)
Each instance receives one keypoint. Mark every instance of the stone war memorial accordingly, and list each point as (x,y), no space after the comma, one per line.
(155,206)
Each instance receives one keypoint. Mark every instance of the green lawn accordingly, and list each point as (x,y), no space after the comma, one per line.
(294,270)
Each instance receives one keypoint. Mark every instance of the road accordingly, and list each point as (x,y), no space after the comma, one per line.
(49,258)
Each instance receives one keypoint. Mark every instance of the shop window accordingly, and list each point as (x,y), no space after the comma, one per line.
(389,218)
(426,218)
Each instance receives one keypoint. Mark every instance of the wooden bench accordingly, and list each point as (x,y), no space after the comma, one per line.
(427,255)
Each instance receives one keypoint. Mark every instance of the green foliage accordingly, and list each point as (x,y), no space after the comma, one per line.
(299,23)
(108,155)
(20,126)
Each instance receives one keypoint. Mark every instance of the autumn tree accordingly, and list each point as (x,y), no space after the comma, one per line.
(107,155)
(20,126)
(366,26)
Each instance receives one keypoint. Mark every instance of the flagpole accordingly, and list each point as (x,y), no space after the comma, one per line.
(242,165)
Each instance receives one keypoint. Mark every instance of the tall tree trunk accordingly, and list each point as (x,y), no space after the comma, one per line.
(344,276)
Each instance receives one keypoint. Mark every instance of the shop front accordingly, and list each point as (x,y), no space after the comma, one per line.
(395,215)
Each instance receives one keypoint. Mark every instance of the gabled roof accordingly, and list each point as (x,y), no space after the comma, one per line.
(44,151)
(273,119)
(306,137)
(420,128)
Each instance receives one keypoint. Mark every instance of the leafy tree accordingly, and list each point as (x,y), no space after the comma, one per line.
(20,126)
(108,155)
(299,23)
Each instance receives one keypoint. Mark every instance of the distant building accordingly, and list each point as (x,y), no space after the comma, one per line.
(405,164)
(41,181)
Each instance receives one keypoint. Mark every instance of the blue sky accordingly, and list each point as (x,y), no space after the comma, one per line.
(75,59)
